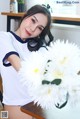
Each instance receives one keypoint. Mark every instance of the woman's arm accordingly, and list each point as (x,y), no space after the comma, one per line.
(15,61)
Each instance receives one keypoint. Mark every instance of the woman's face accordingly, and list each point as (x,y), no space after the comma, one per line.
(32,26)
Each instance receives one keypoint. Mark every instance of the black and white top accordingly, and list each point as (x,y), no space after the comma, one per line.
(13,92)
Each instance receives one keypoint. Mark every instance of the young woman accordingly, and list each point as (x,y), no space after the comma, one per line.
(14,47)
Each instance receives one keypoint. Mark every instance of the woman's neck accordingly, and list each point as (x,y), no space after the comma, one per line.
(17,32)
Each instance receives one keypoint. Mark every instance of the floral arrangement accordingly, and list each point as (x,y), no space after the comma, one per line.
(53,76)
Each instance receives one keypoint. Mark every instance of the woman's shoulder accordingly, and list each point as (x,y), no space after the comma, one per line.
(4,34)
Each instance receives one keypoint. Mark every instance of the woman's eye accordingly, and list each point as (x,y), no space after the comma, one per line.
(40,28)
(33,20)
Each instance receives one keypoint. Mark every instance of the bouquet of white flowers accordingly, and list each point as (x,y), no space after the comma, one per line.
(53,76)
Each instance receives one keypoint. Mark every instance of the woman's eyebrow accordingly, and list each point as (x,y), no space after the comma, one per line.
(35,18)
(37,21)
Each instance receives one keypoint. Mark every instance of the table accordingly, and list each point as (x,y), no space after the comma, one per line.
(67,112)
(70,20)
(33,110)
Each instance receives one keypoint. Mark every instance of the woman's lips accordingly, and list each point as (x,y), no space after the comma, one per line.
(29,34)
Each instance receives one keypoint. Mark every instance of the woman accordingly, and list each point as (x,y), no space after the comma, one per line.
(15,46)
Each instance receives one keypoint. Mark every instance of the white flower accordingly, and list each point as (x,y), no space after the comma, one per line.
(32,69)
(52,74)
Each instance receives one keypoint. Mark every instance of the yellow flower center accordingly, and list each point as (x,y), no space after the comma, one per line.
(58,74)
(36,70)
(49,91)
(63,61)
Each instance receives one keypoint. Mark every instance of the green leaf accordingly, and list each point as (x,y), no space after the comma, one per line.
(78,73)
(48,61)
(61,106)
(45,82)
(45,71)
(56,81)
(21,1)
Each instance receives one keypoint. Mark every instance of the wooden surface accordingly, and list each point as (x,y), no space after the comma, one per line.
(20,14)
(66,18)
(1,88)
(33,110)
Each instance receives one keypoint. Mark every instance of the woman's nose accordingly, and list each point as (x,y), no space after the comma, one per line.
(33,28)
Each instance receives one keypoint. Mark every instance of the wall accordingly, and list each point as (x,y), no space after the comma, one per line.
(66,32)
(30,3)
(4,6)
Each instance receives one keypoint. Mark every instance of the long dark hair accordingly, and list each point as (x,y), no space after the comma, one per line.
(41,40)
(39,9)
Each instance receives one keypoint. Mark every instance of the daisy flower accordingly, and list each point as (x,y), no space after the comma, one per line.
(53,76)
